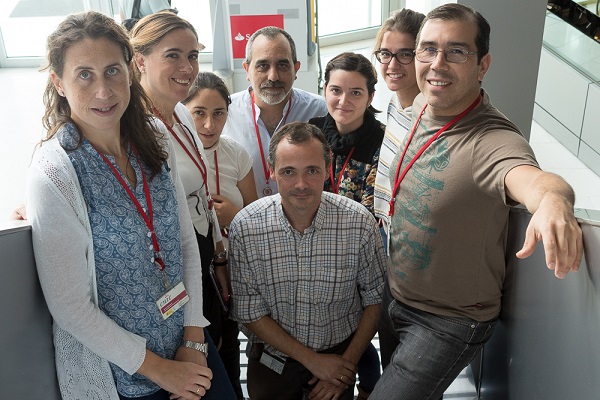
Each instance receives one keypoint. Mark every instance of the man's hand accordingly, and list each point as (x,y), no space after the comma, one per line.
(554,223)
(332,368)
(550,200)
(324,390)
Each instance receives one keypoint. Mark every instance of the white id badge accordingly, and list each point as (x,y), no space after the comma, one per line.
(272,362)
(173,300)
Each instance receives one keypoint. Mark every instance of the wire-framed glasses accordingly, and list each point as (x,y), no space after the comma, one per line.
(452,55)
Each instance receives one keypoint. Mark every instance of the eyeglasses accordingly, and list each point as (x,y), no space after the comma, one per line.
(403,56)
(455,55)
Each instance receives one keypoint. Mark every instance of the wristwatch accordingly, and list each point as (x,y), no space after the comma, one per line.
(220,256)
(202,347)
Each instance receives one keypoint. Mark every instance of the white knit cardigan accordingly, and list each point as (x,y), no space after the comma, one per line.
(85,339)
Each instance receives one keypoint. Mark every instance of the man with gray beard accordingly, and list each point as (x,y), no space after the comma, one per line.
(270,101)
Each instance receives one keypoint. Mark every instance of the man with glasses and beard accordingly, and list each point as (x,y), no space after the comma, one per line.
(461,167)
(270,101)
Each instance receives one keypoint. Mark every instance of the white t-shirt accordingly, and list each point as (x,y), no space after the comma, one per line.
(234,163)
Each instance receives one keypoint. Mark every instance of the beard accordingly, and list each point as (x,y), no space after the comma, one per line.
(272,97)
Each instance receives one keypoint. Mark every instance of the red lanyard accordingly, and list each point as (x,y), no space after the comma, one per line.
(335,189)
(260,147)
(198,161)
(224,231)
(217,172)
(147,217)
(398,179)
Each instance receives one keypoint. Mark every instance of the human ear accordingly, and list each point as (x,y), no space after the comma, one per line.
(57,82)
(140,62)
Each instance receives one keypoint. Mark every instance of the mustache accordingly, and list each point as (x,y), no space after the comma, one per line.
(272,84)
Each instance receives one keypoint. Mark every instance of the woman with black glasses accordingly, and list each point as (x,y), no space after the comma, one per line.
(394,49)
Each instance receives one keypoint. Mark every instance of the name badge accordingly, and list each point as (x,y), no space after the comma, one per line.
(272,362)
(173,300)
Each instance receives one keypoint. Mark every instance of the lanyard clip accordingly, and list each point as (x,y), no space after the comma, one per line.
(157,259)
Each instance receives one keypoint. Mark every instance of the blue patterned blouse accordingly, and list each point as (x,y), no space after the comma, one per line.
(129,282)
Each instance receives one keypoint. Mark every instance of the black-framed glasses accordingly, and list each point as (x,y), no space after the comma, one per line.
(453,55)
(403,56)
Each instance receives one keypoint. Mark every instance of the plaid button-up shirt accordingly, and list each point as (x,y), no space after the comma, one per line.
(314,284)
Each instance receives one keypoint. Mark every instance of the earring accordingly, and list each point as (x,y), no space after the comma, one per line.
(61,93)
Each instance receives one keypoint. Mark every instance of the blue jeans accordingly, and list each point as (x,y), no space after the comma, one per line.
(430,350)
(220,386)
(369,370)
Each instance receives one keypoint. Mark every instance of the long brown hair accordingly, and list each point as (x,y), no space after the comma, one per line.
(136,128)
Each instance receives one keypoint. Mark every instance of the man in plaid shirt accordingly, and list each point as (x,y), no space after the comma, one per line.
(307,273)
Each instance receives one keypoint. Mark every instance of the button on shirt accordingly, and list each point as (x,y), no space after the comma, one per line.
(314,284)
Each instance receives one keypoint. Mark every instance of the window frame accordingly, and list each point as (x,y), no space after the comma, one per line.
(107,7)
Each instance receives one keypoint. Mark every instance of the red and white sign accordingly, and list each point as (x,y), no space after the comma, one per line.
(243,26)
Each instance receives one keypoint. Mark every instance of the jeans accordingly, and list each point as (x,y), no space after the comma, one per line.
(388,339)
(230,354)
(369,370)
(430,350)
(220,387)
(221,329)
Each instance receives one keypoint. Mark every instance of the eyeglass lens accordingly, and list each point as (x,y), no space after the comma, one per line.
(451,55)
(404,56)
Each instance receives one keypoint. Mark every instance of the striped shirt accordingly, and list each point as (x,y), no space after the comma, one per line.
(398,124)
(314,284)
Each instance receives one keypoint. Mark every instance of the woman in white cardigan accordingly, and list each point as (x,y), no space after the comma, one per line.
(116,256)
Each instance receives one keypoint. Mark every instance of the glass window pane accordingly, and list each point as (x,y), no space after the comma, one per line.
(197,12)
(337,16)
(25,24)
